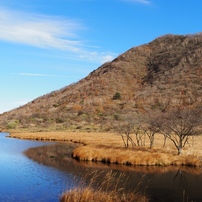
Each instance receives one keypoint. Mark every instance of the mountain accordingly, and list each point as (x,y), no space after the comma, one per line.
(165,72)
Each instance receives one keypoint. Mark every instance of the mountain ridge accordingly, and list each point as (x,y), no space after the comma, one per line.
(165,71)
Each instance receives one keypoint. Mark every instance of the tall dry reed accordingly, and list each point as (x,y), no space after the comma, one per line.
(108,189)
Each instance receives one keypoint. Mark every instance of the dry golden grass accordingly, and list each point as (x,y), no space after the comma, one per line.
(108,148)
(77,137)
(110,190)
(90,195)
(136,156)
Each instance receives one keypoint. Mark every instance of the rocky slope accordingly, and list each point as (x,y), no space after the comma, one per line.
(165,72)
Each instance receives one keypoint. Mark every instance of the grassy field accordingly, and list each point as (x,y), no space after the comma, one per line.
(108,148)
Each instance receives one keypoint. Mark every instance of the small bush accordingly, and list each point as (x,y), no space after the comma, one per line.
(117,96)
(56,105)
(116,116)
(12,124)
(60,120)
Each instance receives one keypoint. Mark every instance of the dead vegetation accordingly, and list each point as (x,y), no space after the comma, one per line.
(108,148)
(135,156)
(110,189)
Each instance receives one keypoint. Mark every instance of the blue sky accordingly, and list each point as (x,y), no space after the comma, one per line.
(48,44)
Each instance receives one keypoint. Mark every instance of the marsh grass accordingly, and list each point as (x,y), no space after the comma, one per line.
(108,148)
(110,188)
(137,156)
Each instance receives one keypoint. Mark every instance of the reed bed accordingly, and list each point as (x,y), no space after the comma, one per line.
(108,148)
(135,156)
(110,189)
(90,195)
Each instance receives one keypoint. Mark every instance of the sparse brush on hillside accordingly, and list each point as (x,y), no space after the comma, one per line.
(166,71)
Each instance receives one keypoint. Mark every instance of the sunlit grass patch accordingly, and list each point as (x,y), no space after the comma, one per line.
(135,157)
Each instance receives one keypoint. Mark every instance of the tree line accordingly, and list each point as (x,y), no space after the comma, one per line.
(177,124)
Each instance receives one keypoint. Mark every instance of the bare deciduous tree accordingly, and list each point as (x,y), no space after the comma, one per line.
(151,127)
(180,124)
(125,129)
(150,132)
(139,134)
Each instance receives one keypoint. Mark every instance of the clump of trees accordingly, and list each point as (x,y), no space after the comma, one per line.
(178,125)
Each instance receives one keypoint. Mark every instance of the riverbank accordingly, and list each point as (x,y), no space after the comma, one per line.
(108,148)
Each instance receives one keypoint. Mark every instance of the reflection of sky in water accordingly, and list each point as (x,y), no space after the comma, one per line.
(21,179)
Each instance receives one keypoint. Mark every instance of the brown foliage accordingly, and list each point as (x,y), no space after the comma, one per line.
(166,70)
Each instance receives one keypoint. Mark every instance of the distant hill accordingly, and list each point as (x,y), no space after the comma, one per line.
(165,72)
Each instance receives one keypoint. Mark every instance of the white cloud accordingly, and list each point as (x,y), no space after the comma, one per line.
(39,30)
(47,32)
(102,57)
(40,75)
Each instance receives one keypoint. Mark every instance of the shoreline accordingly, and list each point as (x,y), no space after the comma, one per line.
(108,148)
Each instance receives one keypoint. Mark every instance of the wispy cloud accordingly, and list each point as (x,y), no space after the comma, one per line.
(38,30)
(40,75)
(99,56)
(139,1)
(46,32)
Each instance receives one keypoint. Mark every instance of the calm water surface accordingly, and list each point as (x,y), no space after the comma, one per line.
(22,179)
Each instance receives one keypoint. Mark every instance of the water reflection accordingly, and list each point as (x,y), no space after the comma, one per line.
(25,180)
(159,183)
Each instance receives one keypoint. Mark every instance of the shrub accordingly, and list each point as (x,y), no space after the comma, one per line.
(116,116)
(117,96)
(12,124)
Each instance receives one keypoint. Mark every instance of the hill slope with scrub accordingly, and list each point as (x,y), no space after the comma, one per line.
(166,72)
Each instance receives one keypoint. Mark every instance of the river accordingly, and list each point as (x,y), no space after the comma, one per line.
(22,179)
(46,178)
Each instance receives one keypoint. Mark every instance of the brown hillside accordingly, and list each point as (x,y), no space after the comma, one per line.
(165,71)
